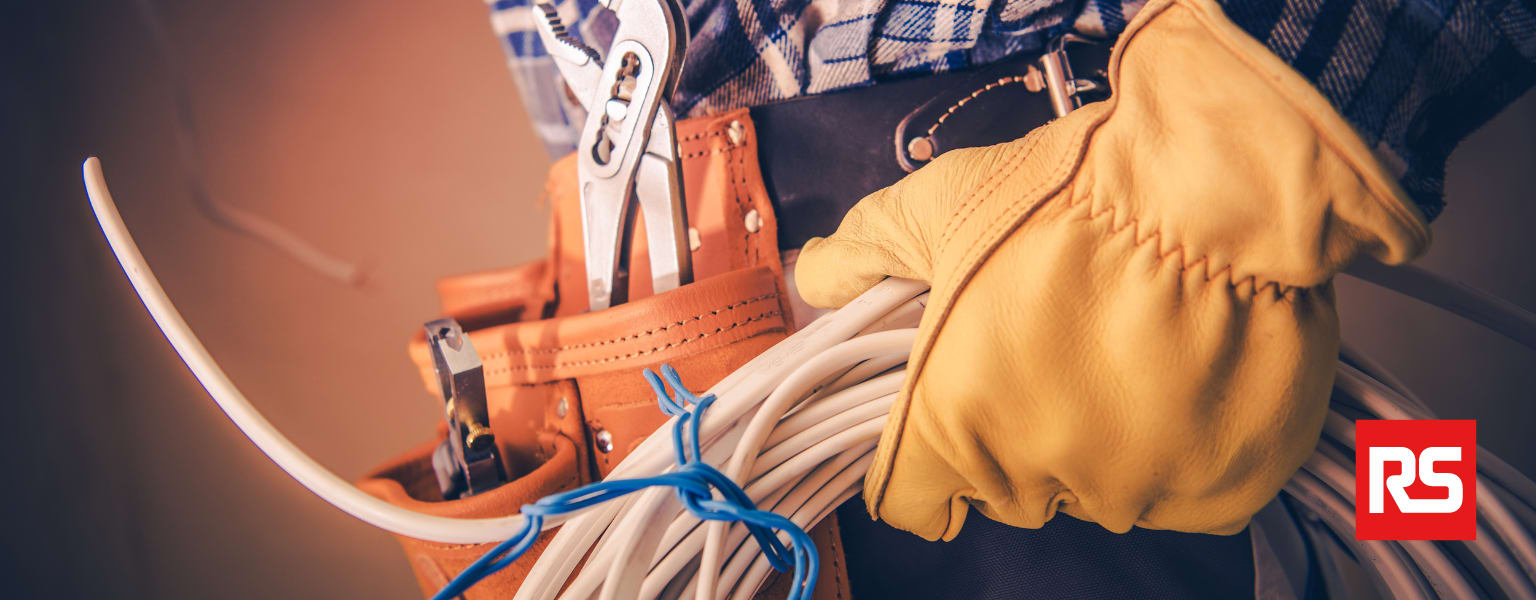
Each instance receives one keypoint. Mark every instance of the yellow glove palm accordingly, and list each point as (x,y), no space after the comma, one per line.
(1132,317)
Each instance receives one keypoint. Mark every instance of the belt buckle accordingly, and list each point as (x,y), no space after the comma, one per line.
(1060,85)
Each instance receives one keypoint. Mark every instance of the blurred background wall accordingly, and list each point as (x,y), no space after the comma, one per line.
(387,134)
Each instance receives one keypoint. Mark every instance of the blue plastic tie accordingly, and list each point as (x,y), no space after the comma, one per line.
(695,482)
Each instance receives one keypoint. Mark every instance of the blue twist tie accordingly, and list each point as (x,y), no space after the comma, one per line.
(695,483)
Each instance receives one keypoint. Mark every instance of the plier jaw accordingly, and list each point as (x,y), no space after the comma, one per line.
(627,153)
(468,462)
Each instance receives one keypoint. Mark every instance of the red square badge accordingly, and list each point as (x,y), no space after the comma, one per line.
(1415,480)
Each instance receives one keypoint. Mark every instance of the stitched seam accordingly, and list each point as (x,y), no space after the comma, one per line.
(738,181)
(712,151)
(974,94)
(625,404)
(1134,224)
(1010,218)
(722,329)
(837,574)
(712,132)
(635,336)
(743,202)
(973,201)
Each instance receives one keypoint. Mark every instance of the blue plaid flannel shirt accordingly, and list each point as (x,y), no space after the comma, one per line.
(1413,76)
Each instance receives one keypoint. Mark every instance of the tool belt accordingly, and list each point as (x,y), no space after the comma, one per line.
(563,385)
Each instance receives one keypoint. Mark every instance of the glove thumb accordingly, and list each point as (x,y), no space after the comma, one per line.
(891,233)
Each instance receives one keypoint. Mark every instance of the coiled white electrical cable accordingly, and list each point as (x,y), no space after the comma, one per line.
(1386,404)
(797,426)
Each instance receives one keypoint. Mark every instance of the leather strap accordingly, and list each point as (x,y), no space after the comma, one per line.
(822,154)
(563,385)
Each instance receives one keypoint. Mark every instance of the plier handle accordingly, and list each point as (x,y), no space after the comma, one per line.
(628,145)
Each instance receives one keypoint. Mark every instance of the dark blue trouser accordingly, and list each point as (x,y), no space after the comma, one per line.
(1067,558)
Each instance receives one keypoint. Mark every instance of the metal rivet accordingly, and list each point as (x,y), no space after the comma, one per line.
(920,148)
(616,109)
(562,407)
(754,221)
(737,133)
(604,441)
(1034,80)
(693,239)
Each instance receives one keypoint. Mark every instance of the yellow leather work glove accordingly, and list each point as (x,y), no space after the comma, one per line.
(1132,317)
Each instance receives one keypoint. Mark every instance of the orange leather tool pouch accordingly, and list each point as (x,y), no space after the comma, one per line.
(566,398)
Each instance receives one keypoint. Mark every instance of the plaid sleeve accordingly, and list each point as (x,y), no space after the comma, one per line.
(555,117)
(1414,77)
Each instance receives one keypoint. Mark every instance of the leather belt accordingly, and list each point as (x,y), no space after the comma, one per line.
(821,154)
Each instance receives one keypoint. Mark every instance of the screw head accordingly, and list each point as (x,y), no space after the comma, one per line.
(604,441)
(479,437)
(753,221)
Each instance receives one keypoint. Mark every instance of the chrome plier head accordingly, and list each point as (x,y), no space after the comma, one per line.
(628,145)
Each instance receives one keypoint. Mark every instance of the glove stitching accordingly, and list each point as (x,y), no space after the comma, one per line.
(1134,224)
(972,201)
(1010,219)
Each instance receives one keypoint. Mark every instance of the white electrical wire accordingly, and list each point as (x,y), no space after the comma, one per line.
(684,550)
(1388,566)
(798,455)
(1340,431)
(299,465)
(337,491)
(1386,404)
(785,397)
(827,499)
(1467,302)
(1442,575)
(797,427)
(805,358)
(1501,561)
(629,554)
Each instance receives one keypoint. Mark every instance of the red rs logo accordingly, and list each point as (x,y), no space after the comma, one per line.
(1415,480)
